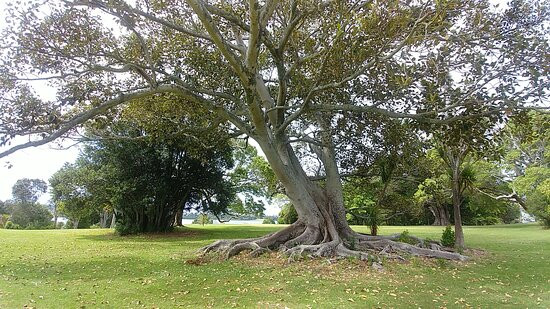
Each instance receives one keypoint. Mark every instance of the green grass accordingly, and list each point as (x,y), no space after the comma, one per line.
(95,269)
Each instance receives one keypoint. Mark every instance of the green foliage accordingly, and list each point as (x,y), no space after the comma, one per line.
(27,190)
(11,226)
(148,173)
(3,208)
(288,214)
(369,201)
(448,237)
(528,158)
(79,190)
(123,227)
(31,215)
(268,220)
(23,209)
(250,207)
(84,222)
(3,219)
(364,211)
(535,186)
(405,237)
(252,177)
(203,219)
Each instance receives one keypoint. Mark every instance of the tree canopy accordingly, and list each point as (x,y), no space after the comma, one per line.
(292,75)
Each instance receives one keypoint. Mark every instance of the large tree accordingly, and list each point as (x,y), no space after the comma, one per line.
(80,190)
(285,73)
(24,208)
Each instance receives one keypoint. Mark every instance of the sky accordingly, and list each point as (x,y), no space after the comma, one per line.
(40,162)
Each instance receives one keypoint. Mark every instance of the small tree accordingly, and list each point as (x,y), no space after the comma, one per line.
(203,219)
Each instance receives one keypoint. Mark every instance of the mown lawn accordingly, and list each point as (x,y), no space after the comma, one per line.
(95,269)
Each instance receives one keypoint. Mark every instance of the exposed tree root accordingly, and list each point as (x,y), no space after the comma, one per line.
(298,241)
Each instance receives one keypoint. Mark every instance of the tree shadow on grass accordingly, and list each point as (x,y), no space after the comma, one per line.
(189,233)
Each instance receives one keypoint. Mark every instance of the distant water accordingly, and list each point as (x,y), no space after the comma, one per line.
(256,221)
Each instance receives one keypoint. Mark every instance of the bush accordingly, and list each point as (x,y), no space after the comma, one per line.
(268,221)
(405,237)
(288,214)
(448,237)
(124,227)
(37,225)
(12,226)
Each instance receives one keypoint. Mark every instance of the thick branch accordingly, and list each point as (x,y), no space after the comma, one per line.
(84,116)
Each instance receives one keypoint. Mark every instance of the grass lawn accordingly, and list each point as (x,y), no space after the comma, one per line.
(95,269)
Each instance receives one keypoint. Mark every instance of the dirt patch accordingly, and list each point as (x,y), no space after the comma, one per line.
(341,270)
(198,261)
(475,253)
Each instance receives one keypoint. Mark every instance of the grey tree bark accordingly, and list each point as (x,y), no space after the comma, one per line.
(441,215)
(113,220)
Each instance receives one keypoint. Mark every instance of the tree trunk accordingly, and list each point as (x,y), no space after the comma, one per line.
(55,216)
(103,218)
(113,220)
(179,217)
(441,215)
(457,200)
(75,223)
(321,229)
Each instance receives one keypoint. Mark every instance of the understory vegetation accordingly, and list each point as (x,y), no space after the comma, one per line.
(95,268)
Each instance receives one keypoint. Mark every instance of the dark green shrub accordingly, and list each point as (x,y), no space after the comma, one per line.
(405,237)
(268,221)
(37,225)
(448,237)
(124,227)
